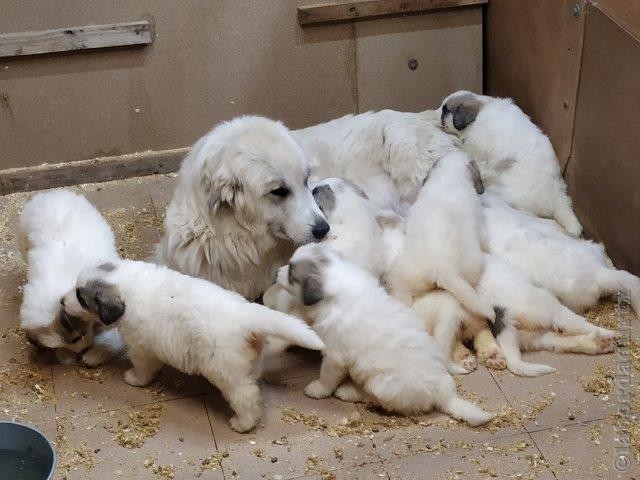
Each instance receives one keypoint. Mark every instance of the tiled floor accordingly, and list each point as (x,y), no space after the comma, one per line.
(548,427)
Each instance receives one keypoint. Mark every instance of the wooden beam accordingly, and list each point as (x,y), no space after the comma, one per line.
(342,11)
(75,38)
(89,171)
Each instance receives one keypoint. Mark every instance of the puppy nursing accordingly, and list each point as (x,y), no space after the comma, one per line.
(443,245)
(195,326)
(516,159)
(372,338)
(61,233)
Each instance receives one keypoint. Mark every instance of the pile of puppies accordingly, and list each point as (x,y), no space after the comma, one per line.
(432,230)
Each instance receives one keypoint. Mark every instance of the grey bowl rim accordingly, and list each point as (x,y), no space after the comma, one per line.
(53,450)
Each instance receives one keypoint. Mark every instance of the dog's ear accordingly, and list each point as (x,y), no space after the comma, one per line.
(466,111)
(325,198)
(356,188)
(307,274)
(311,290)
(101,299)
(477,178)
(224,193)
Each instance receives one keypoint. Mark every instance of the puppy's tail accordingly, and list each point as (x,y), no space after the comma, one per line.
(621,282)
(285,327)
(466,295)
(564,216)
(464,410)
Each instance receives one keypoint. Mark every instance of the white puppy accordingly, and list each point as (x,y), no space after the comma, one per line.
(61,233)
(578,272)
(515,158)
(371,337)
(386,153)
(193,325)
(443,245)
(241,206)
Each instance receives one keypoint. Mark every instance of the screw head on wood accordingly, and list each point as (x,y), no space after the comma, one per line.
(577,10)
(413,64)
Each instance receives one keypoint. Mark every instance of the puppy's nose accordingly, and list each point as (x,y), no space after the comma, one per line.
(320,229)
(33,341)
(62,301)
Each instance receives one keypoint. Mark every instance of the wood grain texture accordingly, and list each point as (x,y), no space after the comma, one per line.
(88,171)
(624,12)
(342,11)
(533,56)
(75,38)
(603,172)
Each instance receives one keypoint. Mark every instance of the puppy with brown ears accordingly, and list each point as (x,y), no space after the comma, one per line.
(516,159)
(371,337)
(193,325)
(445,236)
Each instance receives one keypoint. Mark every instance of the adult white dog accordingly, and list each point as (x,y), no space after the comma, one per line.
(241,206)
(516,159)
(61,233)
(193,325)
(369,336)
(387,153)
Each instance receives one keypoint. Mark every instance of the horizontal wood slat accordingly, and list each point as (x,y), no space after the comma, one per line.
(341,11)
(75,38)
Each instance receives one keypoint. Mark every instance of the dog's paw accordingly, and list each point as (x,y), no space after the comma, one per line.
(242,424)
(605,345)
(455,369)
(532,369)
(347,392)
(496,361)
(132,379)
(65,357)
(96,356)
(469,363)
(317,389)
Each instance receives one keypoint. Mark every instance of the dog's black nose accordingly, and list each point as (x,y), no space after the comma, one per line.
(320,229)
(62,301)
(33,341)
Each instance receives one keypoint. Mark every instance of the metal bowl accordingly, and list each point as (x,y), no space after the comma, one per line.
(25,453)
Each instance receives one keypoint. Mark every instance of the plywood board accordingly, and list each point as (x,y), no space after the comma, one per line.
(210,61)
(75,38)
(446,48)
(604,171)
(533,56)
(624,12)
(356,10)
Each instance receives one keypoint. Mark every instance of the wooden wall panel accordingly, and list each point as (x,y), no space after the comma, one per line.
(604,171)
(211,60)
(533,53)
(446,48)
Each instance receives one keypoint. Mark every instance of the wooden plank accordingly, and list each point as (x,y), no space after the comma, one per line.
(342,11)
(75,38)
(89,171)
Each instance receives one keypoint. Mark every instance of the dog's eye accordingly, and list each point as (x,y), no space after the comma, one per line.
(80,298)
(281,192)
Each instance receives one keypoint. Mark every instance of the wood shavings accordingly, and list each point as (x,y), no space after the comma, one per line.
(91,374)
(166,471)
(317,466)
(72,457)
(604,315)
(601,382)
(213,461)
(137,426)
(534,409)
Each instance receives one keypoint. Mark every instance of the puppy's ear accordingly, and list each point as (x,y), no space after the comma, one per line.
(356,188)
(466,112)
(477,178)
(101,299)
(311,290)
(325,198)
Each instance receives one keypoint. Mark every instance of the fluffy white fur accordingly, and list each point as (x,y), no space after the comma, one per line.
(443,244)
(516,159)
(61,233)
(230,221)
(578,272)
(372,338)
(386,153)
(193,325)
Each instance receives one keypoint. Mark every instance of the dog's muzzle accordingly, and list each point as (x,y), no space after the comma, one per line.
(320,229)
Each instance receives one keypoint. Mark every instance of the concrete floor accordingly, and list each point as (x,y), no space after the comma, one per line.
(548,427)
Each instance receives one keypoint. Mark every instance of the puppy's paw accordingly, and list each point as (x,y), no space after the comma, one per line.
(604,333)
(605,345)
(317,389)
(242,424)
(132,379)
(469,362)
(455,369)
(96,356)
(347,392)
(532,369)
(496,361)
(65,357)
